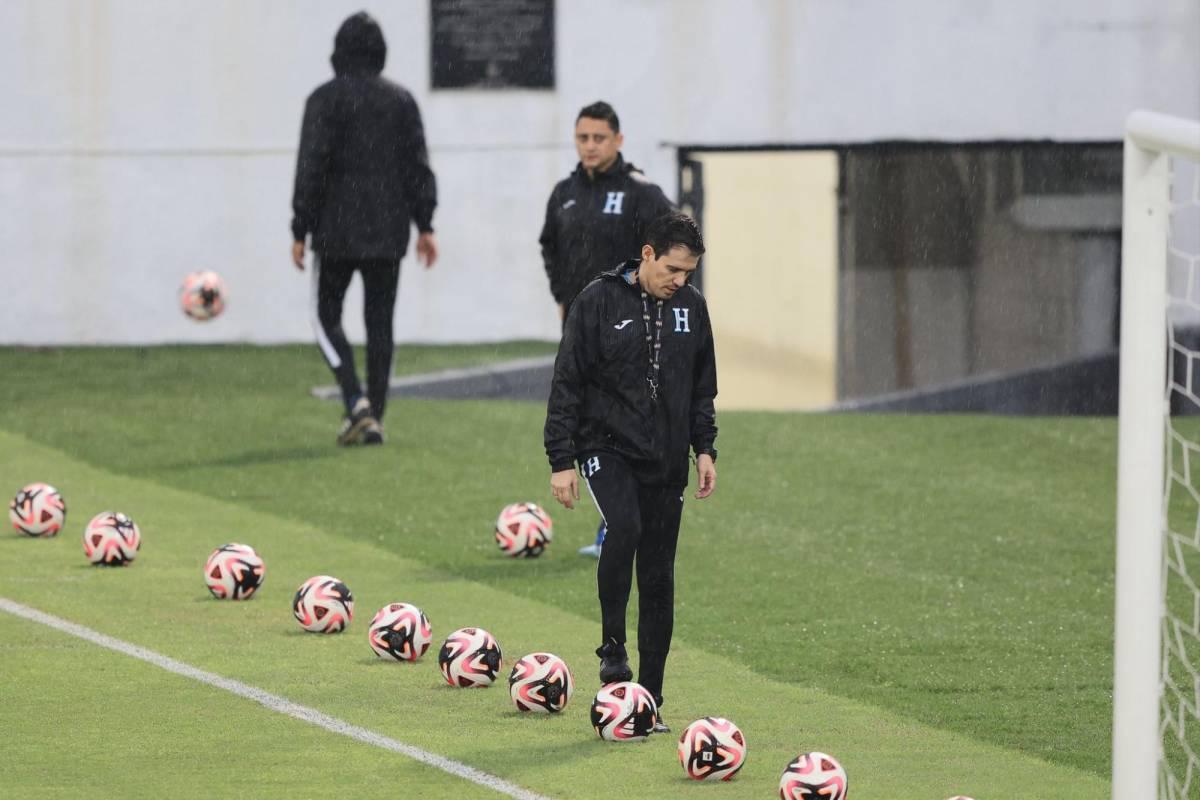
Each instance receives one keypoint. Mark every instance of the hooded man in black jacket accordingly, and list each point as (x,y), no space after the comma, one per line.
(633,390)
(597,217)
(362,178)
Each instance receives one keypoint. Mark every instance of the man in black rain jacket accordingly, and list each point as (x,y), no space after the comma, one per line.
(633,389)
(362,179)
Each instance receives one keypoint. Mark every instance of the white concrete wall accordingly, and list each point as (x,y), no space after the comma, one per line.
(142,139)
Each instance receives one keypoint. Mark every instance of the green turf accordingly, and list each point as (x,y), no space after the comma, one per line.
(955,571)
(94,723)
(159,602)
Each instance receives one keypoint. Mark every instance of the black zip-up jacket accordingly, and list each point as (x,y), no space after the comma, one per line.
(593,223)
(362,174)
(600,397)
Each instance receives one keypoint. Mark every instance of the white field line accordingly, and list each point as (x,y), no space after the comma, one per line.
(273,702)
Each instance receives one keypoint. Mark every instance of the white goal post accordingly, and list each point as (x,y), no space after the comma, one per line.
(1152,142)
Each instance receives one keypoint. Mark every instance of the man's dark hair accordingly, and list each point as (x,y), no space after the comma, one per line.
(601,110)
(674,230)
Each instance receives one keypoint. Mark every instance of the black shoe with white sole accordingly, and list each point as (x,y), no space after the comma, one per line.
(355,423)
(373,433)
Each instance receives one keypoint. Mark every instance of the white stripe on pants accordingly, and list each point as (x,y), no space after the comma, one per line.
(322,337)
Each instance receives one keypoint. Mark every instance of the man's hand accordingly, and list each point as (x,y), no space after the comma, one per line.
(562,312)
(298,255)
(706,475)
(427,249)
(565,487)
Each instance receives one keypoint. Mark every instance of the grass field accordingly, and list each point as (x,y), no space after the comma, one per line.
(927,598)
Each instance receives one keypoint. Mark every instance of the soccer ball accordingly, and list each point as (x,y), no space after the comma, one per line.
(470,657)
(202,295)
(523,530)
(111,539)
(712,749)
(38,510)
(541,682)
(813,776)
(323,605)
(400,631)
(624,712)
(961,797)
(234,572)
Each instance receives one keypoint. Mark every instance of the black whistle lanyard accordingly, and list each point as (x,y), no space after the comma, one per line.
(653,343)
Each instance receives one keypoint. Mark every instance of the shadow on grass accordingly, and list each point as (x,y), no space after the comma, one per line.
(374,661)
(584,745)
(250,458)
(503,568)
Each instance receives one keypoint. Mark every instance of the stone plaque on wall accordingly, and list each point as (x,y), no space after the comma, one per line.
(492,44)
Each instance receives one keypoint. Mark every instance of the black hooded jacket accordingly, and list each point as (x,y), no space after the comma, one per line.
(597,222)
(362,174)
(600,399)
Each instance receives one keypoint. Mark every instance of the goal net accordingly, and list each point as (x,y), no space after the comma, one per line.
(1156,697)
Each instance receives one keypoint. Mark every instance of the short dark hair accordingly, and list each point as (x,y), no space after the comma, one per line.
(674,230)
(601,110)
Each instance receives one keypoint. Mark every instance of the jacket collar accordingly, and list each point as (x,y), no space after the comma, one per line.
(618,168)
(621,273)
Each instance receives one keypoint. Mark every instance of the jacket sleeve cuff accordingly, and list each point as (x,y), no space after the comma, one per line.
(708,450)
(560,464)
(299,230)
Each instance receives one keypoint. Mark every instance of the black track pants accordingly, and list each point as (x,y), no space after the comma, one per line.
(643,527)
(331,279)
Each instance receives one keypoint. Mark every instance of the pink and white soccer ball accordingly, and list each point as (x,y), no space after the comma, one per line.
(523,530)
(712,749)
(38,510)
(400,631)
(961,797)
(234,572)
(813,776)
(323,604)
(542,683)
(624,712)
(470,657)
(111,539)
(202,295)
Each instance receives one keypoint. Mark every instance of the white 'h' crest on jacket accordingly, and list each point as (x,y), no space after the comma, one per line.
(681,320)
(613,201)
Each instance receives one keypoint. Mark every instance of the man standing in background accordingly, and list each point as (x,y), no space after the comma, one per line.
(596,217)
(362,178)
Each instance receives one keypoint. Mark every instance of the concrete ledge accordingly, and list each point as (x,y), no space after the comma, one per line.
(519,379)
(1086,386)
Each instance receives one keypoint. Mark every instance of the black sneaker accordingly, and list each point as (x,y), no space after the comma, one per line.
(660,725)
(373,433)
(614,662)
(355,423)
